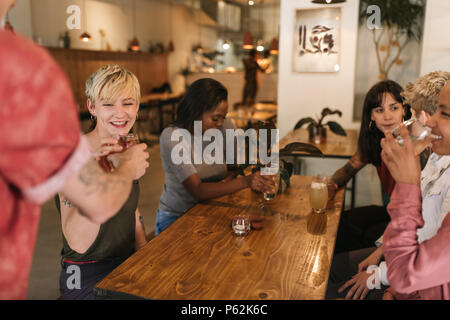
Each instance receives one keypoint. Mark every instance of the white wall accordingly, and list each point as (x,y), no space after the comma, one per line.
(20,18)
(436,39)
(367,73)
(303,95)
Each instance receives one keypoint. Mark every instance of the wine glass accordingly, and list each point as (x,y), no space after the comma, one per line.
(420,135)
(274,172)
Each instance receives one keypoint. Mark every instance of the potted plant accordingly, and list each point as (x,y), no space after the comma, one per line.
(317,129)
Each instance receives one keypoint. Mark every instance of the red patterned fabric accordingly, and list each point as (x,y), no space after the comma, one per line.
(38,133)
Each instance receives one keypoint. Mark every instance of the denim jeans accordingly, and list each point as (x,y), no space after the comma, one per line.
(163,220)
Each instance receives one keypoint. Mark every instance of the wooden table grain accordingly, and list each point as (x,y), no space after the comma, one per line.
(198,257)
(335,146)
(338,147)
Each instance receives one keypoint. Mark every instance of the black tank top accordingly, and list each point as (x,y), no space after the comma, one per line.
(116,237)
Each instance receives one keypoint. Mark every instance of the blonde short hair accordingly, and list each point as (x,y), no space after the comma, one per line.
(424,93)
(109,82)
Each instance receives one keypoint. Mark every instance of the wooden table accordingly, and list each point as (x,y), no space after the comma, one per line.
(198,257)
(335,147)
(338,147)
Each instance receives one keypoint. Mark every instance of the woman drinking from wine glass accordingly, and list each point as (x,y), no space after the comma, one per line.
(353,267)
(94,250)
(418,269)
(187,183)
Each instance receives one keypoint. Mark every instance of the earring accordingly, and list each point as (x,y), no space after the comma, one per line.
(371,125)
(92,117)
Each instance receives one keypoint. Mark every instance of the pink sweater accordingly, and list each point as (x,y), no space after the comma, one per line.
(415,271)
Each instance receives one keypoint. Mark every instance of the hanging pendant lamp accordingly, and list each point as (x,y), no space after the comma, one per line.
(85,36)
(248,41)
(274,46)
(134,44)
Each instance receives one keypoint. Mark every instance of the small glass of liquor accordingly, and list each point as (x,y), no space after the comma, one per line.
(241,224)
(125,141)
(420,135)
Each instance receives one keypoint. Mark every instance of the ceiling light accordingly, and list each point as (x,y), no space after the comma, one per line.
(327,1)
(85,37)
(248,41)
(226,45)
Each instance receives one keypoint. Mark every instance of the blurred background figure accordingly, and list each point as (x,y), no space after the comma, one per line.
(251,68)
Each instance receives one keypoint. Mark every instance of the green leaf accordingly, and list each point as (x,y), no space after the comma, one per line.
(336,128)
(303,121)
(288,166)
(284,174)
(328,111)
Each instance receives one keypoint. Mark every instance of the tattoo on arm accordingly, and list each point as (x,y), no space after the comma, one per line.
(141,220)
(96,180)
(67,203)
(343,175)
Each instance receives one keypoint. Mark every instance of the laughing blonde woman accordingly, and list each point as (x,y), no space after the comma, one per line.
(92,249)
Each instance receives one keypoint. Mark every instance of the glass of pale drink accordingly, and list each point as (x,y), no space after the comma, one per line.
(318,194)
(420,135)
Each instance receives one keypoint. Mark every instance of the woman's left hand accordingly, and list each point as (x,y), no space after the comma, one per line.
(358,283)
(401,161)
(261,183)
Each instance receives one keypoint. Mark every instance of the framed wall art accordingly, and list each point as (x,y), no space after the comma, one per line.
(317,40)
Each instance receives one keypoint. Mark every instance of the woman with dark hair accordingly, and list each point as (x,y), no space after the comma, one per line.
(383,110)
(360,228)
(203,107)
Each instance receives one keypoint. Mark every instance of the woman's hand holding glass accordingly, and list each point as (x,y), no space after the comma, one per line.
(332,188)
(401,160)
(107,146)
(261,183)
(133,160)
